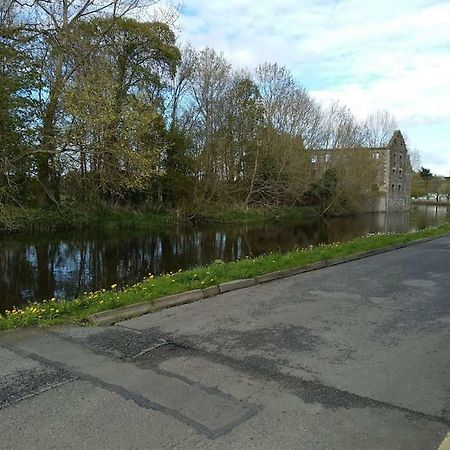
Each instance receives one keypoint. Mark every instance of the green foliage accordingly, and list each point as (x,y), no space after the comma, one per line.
(18,79)
(105,109)
(122,136)
(13,219)
(434,186)
(225,214)
(322,192)
(177,181)
(425,174)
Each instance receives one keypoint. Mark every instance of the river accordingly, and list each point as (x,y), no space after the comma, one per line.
(63,265)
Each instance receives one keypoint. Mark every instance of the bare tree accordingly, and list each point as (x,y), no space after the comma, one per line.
(178,115)
(378,128)
(7,12)
(339,128)
(276,86)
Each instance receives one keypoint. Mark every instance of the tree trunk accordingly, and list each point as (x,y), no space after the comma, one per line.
(44,189)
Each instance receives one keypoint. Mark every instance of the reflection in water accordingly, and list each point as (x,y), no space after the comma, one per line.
(65,265)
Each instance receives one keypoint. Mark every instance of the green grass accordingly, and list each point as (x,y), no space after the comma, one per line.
(78,217)
(54,311)
(13,219)
(236,215)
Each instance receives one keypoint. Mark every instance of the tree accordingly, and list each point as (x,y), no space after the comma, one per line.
(123,134)
(97,106)
(415,158)
(425,174)
(204,106)
(419,186)
(288,107)
(18,82)
(339,128)
(378,129)
(322,192)
(445,189)
(346,183)
(54,25)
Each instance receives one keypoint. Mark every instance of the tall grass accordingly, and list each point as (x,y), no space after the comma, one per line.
(240,215)
(13,219)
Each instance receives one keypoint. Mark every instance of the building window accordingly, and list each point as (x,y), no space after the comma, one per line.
(376,155)
(392,188)
(393,170)
(313,159)
(399,187)
(327,157)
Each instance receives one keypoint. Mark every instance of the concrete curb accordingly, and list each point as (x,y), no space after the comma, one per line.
(127,312)
(236,284)
(211,291)
(270,276)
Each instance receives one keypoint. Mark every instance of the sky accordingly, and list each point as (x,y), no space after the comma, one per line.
(368,54)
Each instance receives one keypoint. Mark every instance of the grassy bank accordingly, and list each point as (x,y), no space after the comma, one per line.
(244,216)
(76,311)
(82,217)
(79,217)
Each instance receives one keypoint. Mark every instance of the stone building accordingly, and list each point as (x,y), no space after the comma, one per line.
(391,189)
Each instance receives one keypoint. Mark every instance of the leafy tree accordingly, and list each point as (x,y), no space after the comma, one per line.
(178,180)
(122,135)
(419,186)
(54,26)
(18,81)
(425,174)
(322,192)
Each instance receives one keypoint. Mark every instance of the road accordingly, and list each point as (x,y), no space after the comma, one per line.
(354,356)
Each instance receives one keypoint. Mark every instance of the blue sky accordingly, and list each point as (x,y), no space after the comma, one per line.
(368,54)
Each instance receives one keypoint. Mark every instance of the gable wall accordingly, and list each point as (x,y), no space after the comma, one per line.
(399,175)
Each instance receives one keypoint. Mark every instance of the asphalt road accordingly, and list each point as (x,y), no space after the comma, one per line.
(354,356)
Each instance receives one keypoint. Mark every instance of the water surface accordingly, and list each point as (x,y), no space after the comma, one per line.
(63,265)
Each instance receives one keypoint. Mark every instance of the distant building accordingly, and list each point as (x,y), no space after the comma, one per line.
(391,189)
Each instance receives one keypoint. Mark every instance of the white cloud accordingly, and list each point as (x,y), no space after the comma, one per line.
(370,54)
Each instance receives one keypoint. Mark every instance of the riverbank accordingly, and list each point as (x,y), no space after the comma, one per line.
(16,220)
(64,218)
(54,311)
(242,216)
(430,203)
